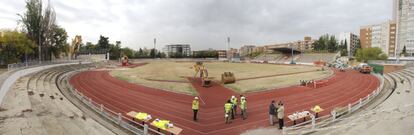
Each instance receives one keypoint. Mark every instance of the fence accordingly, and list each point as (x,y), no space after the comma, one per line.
(315,123)
(36,63)
(113,116)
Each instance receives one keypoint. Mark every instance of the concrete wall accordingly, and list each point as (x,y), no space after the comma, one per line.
(393,67)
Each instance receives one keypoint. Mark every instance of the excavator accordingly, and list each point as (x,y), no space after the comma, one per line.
(200,69)
(75,47)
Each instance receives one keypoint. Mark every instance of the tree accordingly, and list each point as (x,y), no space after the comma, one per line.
(128,52)
(103,43)
(153,53)
(15,46)
(114,51)
(59,41)
(38,25)
(366,54)
(326,43)
(88,47)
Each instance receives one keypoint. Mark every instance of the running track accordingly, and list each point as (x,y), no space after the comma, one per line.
(121,96)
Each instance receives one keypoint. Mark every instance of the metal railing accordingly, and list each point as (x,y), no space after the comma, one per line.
(315,123)
(113,116)
(14,66)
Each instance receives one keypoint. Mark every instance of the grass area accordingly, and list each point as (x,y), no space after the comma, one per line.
(178,71)
(184,88)
(246,86)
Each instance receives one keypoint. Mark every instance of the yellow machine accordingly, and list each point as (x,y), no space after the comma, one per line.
(75,46)
(200,69)
(227,78)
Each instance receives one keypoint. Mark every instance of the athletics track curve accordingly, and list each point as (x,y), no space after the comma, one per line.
(121,96)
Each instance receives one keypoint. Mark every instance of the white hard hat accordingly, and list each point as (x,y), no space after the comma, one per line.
(242,98)
(233,96)
(195,97)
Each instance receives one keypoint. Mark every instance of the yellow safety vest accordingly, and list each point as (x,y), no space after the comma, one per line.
(234,101)
(317,109)
(195,104)
(227,107)
(243,104)
(141,116)
(162,124)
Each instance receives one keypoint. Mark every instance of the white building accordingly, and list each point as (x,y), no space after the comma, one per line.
(351,41)
(381,36)
(177,50)
(246,50)
(404,15)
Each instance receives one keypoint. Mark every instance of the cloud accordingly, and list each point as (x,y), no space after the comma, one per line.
(207,23)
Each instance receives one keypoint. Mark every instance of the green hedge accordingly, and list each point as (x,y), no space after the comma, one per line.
(377,68)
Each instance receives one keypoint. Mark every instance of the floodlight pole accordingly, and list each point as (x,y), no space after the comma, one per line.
(228,48)
(155,42)
(291,46)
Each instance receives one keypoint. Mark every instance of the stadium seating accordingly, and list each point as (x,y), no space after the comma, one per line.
(301,58)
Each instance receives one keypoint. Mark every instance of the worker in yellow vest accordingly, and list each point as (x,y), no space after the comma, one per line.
(234,102)
(228,108)
(317,109)
(195,107)
(243,107)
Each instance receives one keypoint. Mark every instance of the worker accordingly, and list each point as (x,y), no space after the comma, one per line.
(317,109)
(228,111)
(272,112)
(243,107)
(234,102)
(281,115)
(195,108)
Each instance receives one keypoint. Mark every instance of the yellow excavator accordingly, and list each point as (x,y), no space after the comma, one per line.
(75,47)
(199,68)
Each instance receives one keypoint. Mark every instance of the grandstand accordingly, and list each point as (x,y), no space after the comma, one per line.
(286,58)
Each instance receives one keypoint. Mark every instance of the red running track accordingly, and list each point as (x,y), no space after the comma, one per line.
(121,96)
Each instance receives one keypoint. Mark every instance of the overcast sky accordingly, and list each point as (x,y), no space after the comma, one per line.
(206,23)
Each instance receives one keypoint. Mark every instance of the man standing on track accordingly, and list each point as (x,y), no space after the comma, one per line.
(195,107)
(281,115)
(243,107)
(272,112)
(228,107)
(234,102)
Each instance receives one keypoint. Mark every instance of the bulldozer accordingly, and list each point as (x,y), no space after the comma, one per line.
(227,78)
(200,69)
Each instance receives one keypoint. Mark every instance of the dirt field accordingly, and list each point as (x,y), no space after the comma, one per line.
(252,85)
(173,75)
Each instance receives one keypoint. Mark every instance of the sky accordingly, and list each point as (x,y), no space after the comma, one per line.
(205,23)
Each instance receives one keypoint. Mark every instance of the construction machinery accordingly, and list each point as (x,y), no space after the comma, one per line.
(200,69)
(75,46)
(364,68)
(125,61)
(227,78)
